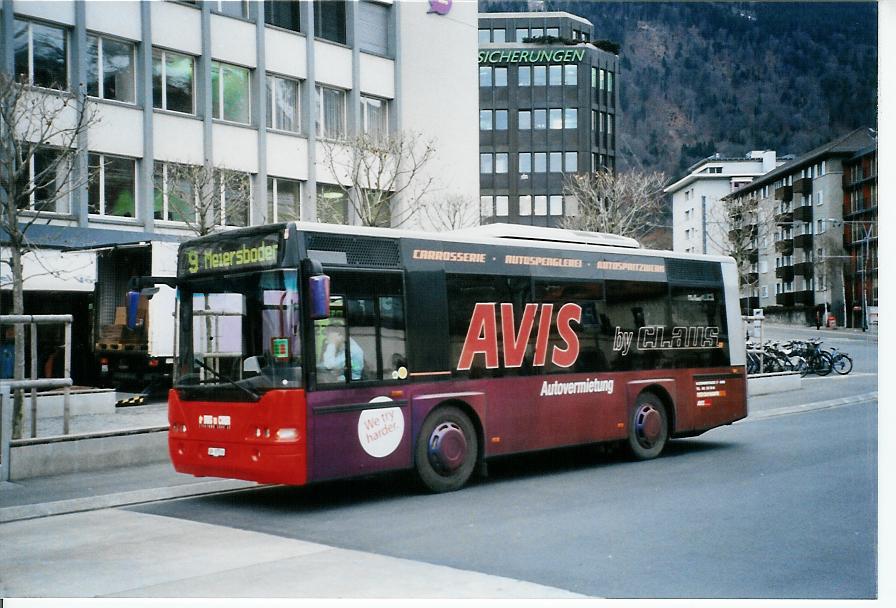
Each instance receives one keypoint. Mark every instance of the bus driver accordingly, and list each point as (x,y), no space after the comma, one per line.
(332,360)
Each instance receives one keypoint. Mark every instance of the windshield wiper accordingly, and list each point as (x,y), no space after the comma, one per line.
(255,396)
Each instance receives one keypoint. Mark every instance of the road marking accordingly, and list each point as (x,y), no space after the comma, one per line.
(811,407)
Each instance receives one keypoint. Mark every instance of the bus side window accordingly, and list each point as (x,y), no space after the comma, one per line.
(392,337)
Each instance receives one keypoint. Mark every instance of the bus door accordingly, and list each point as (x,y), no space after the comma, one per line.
(360,418)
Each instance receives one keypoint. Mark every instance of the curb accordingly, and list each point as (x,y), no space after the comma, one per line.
(810,407)
(121,499)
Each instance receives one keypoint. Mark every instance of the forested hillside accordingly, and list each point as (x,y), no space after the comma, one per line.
(705,77)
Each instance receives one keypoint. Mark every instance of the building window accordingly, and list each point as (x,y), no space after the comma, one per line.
(48,173)
(332,204)
(173,197)
(571,75)
(602,81)
(763,291)
(230,92)
(540,119)
(820,227)
(500,120)
(484,36)
(283,104)
(172,81)
(522,33)
(501,162)
(539,75)
(284,200)
(329,20)
(110,69)
(524,120)
(570,162)
(609,82)
(556,162)
(526,205)
(234,191)
(570,118)
(555,75)
(486,206)
(593,78)
(500,77)
(501,206)
(819,197)
(112,191)
(485,77)
(537,32)
(375,116)
(375,25)
(41,54)
(540,162)
(485,120)
(525,162)
(541,205)
(556,205)
(687,215)
(330,123)
(553,31)
(498,36)
(556,118)
(763,266)
(234,8)
(524,77)
(283,13)
(486,163)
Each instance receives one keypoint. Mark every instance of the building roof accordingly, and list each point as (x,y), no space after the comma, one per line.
(535,15)
(844,146)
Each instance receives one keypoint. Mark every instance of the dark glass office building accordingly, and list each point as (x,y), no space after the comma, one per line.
(548,105)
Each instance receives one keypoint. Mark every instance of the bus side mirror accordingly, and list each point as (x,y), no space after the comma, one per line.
(319,296)
(133,302)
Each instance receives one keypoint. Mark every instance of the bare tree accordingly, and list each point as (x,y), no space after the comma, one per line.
(378,171)
(629,204)
(453,212)
(201,195)
(830,267)
(39,132)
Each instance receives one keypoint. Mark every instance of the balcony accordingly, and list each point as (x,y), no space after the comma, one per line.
(743,231)
(753,256)
(784,193)
(784,272)
(805,298)
(802,185)
(784,213)
(806,269)
(784,245)
(803,241)
(752,277)
(803,213)
(784,299)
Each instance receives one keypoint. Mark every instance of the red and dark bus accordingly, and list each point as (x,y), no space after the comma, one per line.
(311,352)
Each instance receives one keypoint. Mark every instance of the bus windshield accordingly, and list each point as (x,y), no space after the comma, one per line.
(239,335)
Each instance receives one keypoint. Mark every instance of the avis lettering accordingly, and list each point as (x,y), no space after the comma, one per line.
(658,337)
(482,335)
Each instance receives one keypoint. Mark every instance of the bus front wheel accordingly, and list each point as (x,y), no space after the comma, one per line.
(648,428)
(446,450)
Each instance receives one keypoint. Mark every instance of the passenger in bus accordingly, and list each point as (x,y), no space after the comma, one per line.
(332,360)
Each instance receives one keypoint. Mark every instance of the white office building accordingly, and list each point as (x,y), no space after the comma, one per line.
(255,89)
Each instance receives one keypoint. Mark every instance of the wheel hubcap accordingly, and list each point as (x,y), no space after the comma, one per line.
(649,425)
(447,448)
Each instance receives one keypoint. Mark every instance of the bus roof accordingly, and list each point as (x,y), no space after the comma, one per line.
(500,234)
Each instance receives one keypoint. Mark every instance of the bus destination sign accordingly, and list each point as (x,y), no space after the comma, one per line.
(229,255)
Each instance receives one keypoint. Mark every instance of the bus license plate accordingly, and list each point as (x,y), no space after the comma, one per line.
(216,452)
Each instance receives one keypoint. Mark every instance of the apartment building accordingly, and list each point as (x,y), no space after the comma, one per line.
(795,217)
(860,236)
(699,222)
(548,106)
(251,89)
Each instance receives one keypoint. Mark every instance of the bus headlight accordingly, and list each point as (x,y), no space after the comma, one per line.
(287,434)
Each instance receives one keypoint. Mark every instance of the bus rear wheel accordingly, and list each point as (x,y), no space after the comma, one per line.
(648,429)
(446,450)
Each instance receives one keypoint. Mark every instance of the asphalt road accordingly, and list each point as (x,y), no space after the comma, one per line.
(782,505)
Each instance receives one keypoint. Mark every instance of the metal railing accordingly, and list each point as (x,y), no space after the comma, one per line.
(8,388)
